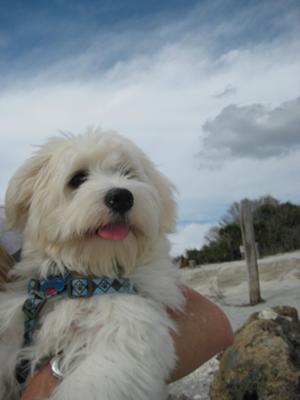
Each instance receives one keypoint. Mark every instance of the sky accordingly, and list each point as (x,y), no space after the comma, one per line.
(209,89)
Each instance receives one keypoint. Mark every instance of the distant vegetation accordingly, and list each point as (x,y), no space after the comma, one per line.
(276,226)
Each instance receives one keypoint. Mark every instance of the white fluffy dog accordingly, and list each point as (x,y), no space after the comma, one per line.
(94,205)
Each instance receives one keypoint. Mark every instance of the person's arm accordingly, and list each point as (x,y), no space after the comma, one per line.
(41,385)
(202,331)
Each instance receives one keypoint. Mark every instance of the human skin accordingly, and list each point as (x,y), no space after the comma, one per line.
(203,330)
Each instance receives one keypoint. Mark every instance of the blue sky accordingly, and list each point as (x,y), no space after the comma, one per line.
(36,33)
(209,89)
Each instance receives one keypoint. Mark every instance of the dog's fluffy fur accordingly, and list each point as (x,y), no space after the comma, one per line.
(115,346)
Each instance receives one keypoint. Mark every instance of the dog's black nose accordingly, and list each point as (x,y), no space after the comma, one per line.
(119,200)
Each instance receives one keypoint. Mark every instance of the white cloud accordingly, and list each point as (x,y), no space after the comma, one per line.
(190,236)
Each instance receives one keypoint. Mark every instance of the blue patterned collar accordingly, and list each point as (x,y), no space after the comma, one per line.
(71,285)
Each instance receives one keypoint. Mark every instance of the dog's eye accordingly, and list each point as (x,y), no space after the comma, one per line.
(78,179)
(127,172)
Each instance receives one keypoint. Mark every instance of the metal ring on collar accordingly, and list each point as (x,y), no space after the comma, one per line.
(55,367)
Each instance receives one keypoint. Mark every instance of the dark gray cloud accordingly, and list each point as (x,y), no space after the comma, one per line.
(254,131)
(230,89)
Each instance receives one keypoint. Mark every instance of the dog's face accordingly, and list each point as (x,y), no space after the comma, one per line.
(91,202)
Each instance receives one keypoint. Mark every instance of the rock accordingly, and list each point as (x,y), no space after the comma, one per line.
(268,314)
(195,386)
(264,361)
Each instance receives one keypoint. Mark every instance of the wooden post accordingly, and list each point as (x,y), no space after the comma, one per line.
(247,229)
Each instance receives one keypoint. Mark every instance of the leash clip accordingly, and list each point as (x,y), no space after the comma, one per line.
(33,305)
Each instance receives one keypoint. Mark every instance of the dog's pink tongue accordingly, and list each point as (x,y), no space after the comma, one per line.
(114,231)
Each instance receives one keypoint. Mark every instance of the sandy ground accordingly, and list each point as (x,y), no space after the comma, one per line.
(226,284)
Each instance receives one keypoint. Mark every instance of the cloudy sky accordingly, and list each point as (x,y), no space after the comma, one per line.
(210,89)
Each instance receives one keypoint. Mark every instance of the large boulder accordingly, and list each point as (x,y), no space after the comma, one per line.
(264,361)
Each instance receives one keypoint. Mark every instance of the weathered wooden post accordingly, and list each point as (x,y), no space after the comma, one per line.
(246,221)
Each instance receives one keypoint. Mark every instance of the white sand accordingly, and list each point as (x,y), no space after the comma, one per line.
(226,284)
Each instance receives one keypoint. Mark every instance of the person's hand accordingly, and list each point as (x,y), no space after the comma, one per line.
(41,386)
(202,331)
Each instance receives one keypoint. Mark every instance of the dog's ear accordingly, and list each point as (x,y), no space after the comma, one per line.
(20,190)
(166,192)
